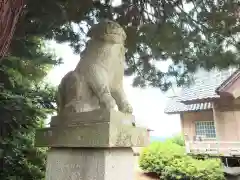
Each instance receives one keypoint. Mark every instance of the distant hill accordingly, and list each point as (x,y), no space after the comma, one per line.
(157,138)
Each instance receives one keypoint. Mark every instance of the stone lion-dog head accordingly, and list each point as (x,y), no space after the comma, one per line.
(108,31)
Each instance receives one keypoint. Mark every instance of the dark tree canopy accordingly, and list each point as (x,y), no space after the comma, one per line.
(25,102)
(190,33)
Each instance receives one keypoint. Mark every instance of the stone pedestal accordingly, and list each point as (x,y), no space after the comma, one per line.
(93,145)
(90,164)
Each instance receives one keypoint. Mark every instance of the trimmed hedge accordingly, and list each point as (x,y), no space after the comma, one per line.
(170,162)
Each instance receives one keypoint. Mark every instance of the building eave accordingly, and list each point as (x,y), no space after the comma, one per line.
(202,100)
(179,112)
(228,82)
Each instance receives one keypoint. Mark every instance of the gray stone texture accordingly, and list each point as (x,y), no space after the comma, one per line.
(89,140)
(90,164)
(97,80)
(99,128)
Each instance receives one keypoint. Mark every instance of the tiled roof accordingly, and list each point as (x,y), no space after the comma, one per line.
(175,106)
(228,81)
(204,87)
(205,84)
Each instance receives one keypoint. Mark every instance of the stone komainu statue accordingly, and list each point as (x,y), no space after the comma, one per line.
(97,81)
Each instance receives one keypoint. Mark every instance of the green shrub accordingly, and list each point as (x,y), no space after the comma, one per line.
(178,139)
(170,162)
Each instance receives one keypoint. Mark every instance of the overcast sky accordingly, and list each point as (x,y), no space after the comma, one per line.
(148,104)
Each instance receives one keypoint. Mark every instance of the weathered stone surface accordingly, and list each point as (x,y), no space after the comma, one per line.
(90,164)
(96,116)
(105,129)
(89,140)
(97,80)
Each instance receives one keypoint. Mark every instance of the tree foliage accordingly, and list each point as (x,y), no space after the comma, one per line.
(169,161)
(189,33)
(25,102)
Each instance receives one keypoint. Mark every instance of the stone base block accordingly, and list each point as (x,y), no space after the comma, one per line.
(99,128)
(90,164)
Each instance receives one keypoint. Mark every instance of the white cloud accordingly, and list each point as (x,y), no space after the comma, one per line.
(148,103)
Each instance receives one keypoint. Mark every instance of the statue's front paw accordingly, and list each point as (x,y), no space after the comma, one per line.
(126,108)
(109,102)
